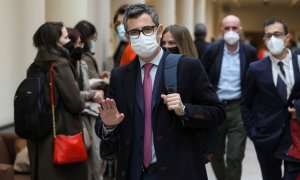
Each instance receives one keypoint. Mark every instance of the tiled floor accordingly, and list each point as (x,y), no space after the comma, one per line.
(250,171)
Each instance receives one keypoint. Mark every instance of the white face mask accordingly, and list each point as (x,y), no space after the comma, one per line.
(145,46)
(275,45)
(231,37)
(121,32)
(92,46)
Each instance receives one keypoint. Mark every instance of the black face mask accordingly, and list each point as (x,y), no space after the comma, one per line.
(74,52)
(69,46)
(173,50)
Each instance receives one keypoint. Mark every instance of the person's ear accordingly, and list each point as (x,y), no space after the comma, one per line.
(287,39)
(240,30)
(159,31)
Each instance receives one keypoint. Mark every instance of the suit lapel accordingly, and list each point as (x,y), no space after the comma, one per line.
(129,83)
(219,60)
(158,88)
(243,59)
(139,90)
(268,77)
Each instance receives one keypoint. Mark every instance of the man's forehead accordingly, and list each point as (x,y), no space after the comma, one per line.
(141,21)
(231,20)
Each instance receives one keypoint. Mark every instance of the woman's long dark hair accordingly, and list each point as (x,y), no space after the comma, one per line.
(47,36)
(87,31)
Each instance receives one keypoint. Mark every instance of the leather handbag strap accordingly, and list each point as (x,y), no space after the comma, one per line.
(52,98)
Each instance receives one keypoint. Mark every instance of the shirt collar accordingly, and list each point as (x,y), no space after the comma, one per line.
(234,52)
(155,60)
(285,61)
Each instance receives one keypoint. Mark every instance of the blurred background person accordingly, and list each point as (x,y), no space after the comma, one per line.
(120,31)
(124,53)
(88,36)
(200,32)
(96,166)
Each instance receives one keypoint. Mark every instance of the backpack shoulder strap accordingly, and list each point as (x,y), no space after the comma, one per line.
(170,72)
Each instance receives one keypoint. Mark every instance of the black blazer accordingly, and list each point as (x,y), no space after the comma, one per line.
(265,114)
(176,146)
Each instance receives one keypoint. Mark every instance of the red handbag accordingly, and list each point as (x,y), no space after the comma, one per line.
(67,148)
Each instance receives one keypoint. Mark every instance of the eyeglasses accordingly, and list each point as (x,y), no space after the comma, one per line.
(276,34)
(135,33)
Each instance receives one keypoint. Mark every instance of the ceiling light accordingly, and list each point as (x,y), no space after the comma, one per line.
(293,3)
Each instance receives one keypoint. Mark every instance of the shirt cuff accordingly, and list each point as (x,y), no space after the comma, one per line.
(106,132)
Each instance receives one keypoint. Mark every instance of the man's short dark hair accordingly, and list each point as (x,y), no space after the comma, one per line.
(120,11)
(136,10)
(273,21)
(200,31)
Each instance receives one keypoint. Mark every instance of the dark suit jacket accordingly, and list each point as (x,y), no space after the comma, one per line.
(176,146)
(265,114)
(212,61)
(297,51)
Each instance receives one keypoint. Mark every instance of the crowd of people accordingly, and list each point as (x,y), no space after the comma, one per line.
(223,95)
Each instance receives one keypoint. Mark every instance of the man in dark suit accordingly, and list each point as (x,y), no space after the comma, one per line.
(226,62)
(271,85)
(174,118)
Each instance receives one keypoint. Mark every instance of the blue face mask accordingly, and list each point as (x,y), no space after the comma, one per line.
(121,32)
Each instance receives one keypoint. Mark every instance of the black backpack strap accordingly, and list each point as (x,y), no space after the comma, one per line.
(170,72)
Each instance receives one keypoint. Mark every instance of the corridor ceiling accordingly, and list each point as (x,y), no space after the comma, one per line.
(243,3)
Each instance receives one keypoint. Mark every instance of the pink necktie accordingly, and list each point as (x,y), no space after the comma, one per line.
(147,86)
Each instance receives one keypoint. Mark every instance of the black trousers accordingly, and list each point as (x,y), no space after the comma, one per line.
(269,165)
